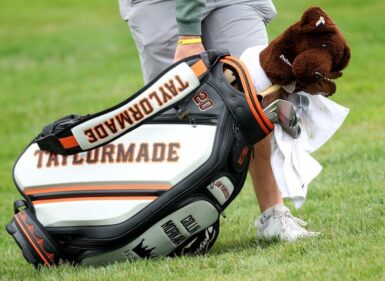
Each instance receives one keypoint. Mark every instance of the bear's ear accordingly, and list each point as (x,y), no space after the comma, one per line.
(344,61)
(316,20)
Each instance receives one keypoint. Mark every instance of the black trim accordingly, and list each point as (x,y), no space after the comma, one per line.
(238,106)
(249,90)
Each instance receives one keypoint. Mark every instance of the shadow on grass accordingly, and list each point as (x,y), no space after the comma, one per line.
(219,249)
(244,245)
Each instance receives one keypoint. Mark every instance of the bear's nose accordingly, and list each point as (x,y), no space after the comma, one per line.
(318,75)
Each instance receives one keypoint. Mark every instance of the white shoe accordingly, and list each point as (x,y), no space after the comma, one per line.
(278,222)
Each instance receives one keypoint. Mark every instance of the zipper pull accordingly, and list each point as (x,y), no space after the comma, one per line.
(182,113)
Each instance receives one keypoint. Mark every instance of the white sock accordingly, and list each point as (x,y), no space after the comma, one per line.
(274,210)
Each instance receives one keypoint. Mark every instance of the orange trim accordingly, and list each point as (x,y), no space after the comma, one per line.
(73,199)
(246,86)
(69,142)
(266,120)
(199,68)
(31,191)
(30,240)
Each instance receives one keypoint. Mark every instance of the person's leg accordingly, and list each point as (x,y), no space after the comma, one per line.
(237,27)
(221,29)
(154,29)
(262,176)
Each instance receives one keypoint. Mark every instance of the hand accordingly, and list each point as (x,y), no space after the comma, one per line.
(183,51)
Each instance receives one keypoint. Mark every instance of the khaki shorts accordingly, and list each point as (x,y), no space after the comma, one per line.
(232,25)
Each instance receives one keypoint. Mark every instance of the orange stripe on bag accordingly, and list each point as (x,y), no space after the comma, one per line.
(254,96)
(31,191)
(199,68)
(26,233)
(266,120)
(69,142)
(74,199)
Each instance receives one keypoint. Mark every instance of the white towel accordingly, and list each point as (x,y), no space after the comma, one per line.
(293,166)
(250,57)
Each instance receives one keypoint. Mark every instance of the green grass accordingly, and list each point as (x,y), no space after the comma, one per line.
(65,56)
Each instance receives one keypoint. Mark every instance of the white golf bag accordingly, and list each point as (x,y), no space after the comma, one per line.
(146,178)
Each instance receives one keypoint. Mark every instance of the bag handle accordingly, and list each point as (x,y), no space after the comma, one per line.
(73,133)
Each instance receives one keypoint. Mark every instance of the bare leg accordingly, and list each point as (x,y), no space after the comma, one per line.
(264,184)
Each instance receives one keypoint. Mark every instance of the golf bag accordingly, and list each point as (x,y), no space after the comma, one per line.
(146,178)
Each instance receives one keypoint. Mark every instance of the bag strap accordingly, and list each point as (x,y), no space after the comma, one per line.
(73,134)
(248,114)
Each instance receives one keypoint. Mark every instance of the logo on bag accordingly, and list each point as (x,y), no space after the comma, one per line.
(219,185)
(202,100)
(210,235)
(190,224)
(156,152)
(221,189)
(143,251)
(173,233)
(137,110)
(243,155)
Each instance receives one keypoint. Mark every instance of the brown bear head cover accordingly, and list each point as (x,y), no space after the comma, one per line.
(312,52)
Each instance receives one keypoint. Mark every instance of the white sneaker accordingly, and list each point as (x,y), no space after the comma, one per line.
(278,222)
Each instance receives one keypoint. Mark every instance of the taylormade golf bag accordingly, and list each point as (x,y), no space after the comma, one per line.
(146,178)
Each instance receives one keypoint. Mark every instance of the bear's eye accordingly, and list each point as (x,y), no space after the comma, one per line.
(324,45)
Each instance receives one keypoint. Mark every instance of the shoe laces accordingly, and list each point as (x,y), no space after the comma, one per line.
(298,221)
(287,217)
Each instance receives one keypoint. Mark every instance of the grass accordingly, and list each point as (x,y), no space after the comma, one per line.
(59,57)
